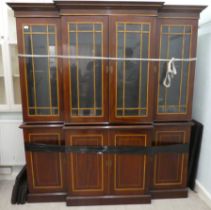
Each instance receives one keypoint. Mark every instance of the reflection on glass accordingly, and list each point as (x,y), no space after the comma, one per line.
(85,74)
(41,72)
(175,42)
(2,87)
(132,76)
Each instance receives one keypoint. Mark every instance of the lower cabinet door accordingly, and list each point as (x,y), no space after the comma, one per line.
(129,172)
(170,169)
(87,172)
(45,170)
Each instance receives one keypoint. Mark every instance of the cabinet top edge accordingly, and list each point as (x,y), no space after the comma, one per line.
(182,8)
(35,6)
(89,4)
(73,4)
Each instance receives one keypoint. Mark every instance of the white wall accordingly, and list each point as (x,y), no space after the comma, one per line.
(11,143)
(202,101)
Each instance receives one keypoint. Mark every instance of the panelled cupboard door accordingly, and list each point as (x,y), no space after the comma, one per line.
(129,172)
(40,76)
(131,82)
(170,169)
(86,82)
(176,39)
(87,172)
(45,170)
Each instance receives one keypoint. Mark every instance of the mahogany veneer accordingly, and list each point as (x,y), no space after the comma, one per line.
(84,102)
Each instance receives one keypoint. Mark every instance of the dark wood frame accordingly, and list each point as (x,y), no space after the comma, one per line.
(188,115)
(66,75)
(109,195)
(44,134)
(172,189)
(26,116)
(167,130)
(112,75)
(62,10)
(146,164)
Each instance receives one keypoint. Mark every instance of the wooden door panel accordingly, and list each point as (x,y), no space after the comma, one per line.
(129,171)
(41,77)
(45,170)
(176,39)
(87,171)
(170,169)
(131,82)
(85,80)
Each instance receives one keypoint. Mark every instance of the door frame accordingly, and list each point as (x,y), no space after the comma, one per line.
(112,75)
(66,76)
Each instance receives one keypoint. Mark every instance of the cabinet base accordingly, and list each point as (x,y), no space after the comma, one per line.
(176,193)
(46,197)
(107,200)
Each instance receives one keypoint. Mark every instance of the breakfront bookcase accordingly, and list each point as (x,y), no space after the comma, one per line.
(72,101)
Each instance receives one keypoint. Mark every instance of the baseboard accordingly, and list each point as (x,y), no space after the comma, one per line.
(46,197)
(203,193)
(169,193)
(107,200)
(12,172)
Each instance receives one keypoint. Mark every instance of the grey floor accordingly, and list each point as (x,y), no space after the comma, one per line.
(193,202)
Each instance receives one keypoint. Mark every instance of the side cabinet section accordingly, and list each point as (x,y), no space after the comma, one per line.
(45,170)
(170,169)
(176,39)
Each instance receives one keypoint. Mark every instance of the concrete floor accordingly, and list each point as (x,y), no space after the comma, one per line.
(193,202)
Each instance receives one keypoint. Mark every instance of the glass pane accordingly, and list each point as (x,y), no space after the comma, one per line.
(15,73)
(41,72)
(133,27)
(51,29)
(16,89)
(2,91)
(85,74)
(165,29)
(132,76)
(177,29)
(27,28)
(36,28)
(98,27)
(2,85)
(120,27)
(146,27)
(85,27)
(174,44)
(188,29)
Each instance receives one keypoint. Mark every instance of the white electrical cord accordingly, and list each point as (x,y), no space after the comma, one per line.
(170,73)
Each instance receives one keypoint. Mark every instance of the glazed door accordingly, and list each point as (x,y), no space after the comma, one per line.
(45,171)
(40,74)
(87,172)
(170,169)
(176,39)
(129,172)
(85,78)
(131,81)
